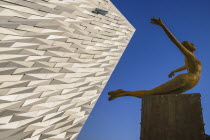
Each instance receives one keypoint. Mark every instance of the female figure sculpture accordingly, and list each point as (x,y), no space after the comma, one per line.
(180,83)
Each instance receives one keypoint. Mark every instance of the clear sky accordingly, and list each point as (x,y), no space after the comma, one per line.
(147,61)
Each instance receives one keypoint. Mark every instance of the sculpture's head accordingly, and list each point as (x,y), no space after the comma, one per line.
(189,46)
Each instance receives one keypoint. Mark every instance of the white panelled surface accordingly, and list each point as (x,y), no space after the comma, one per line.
(55,59)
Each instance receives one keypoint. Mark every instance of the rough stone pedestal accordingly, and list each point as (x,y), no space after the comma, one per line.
(172,117)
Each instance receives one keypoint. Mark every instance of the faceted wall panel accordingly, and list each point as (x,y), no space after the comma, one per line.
(55,59)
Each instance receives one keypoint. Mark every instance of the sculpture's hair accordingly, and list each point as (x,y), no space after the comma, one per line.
(191,48)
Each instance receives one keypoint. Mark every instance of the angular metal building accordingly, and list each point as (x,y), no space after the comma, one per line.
(55,59)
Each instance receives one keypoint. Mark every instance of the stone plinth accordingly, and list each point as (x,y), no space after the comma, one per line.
(172,117)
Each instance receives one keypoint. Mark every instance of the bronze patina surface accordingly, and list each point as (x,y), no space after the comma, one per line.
(181,82)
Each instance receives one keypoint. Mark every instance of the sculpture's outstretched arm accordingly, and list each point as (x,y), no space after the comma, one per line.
(159,22)
(177,70)
(180,69)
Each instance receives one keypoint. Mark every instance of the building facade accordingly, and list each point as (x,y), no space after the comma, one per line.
(55,59)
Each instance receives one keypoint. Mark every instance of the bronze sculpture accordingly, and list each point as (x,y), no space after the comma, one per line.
(181,82)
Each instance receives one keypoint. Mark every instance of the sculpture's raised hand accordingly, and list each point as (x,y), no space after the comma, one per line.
(157,21)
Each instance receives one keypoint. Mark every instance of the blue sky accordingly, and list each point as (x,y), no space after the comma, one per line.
(147,61)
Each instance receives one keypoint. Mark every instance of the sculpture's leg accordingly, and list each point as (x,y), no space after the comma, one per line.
(174,86)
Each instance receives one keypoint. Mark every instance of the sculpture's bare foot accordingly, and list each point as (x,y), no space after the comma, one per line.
(112,98)
(111,93)
(116,94)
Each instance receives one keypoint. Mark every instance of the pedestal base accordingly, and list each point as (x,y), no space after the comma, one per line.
(172,117)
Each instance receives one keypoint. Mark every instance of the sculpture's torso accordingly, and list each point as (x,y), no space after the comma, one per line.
(194,68)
